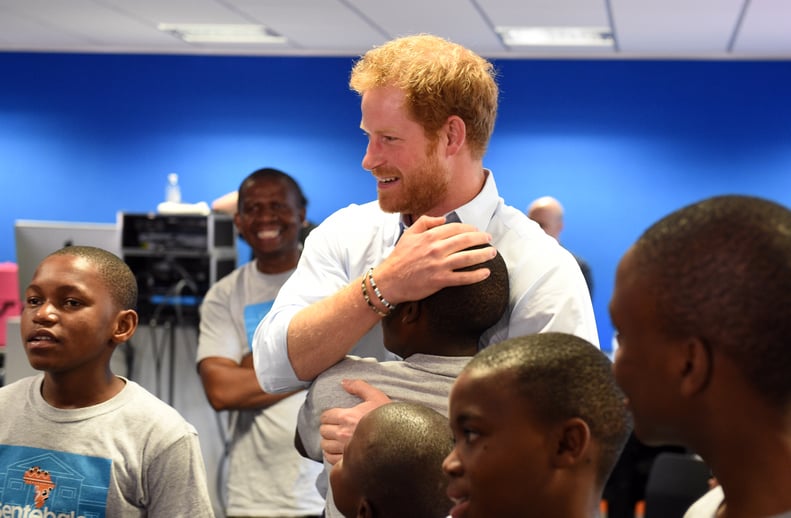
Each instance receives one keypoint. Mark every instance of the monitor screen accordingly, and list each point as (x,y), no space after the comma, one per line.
(36,239)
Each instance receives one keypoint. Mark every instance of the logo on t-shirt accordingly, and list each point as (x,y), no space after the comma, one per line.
(43,483)
(253,314)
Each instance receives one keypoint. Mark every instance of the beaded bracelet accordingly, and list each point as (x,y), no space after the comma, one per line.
(368,300)
(385,303)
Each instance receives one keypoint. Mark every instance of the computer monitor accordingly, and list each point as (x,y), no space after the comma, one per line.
(37,239)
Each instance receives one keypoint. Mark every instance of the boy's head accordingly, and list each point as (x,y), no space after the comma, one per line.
(392,465)
(704,295)
(539,423)
(449,322)
(77,308)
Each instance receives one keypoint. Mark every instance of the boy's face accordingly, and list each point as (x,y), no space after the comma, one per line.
(501,458)
(642,366)
(344,478)
(68,317)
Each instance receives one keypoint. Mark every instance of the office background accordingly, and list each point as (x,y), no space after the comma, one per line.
(620,143)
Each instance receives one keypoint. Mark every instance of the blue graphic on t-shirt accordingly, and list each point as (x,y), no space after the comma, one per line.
(53,482)
(253,314)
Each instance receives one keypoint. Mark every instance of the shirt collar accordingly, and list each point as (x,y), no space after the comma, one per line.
(479,210)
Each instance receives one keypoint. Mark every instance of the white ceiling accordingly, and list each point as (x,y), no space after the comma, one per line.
(673,29)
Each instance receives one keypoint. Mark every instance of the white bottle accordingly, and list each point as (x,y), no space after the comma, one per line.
(172,190)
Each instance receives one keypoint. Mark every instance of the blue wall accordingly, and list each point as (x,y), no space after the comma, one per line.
(621,143)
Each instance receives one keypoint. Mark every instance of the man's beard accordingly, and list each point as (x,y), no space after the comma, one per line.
(421,190)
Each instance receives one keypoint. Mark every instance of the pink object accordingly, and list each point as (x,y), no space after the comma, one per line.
(10,305)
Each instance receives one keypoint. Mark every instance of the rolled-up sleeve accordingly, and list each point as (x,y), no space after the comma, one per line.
(336,252)
(270,353)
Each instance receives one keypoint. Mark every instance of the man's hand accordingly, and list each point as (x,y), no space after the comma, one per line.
(426,256)
(338,424)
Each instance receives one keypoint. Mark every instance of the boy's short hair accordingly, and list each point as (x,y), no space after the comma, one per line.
(563,377)
(115,273)
(410,444)
(720,270)
(470,309)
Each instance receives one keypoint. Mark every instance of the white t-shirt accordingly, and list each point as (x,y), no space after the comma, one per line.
(266,475)
(708,505)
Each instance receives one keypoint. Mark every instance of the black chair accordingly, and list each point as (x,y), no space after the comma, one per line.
(625,487)
(675,481)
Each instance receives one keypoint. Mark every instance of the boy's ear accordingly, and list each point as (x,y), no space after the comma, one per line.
(364,509)
(694,367)
(573,443)
(410,313)
(125,325)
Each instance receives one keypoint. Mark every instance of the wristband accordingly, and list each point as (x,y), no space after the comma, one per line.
(368,300)
(385,303)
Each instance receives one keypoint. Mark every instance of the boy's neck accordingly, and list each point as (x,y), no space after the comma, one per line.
(761,439)
(73,390)
(746,496)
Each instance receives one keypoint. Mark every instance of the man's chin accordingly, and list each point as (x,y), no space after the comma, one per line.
(390,207)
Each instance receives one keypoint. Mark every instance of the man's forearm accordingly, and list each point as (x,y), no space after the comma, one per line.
(231,386)
(323,333)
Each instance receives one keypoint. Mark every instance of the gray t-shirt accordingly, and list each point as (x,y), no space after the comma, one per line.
(132,455)
(420,378)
